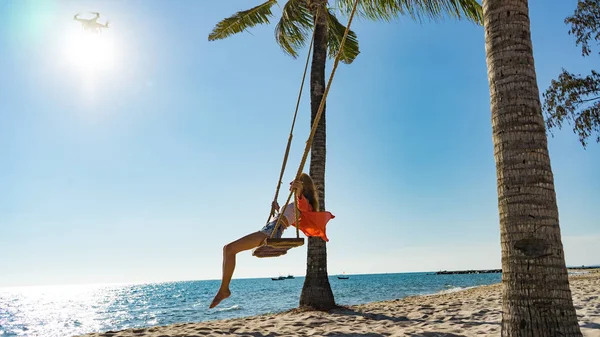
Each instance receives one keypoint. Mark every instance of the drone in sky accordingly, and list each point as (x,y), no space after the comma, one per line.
(92,24)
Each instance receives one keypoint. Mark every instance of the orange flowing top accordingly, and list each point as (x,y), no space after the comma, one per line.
(312,223)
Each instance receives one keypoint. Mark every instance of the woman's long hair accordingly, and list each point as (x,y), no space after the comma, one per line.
(310,192)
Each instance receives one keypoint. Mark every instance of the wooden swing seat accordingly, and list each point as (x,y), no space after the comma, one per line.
(266,251)
(277,247)
(285,242)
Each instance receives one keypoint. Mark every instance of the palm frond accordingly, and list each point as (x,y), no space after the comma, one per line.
(243,20)
(335,34)
(294,27)
(416,9)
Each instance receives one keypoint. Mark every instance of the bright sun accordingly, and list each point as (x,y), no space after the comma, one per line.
(90,51)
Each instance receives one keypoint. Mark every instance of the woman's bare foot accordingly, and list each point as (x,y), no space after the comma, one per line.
(221,295)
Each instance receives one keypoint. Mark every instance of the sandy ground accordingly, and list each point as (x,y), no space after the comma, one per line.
(472,312)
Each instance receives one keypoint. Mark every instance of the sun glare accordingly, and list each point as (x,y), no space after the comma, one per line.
(90,51)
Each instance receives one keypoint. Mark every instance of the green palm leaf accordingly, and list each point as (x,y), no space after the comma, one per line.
(294,27)
(335,33)
(243,20)
(417,9)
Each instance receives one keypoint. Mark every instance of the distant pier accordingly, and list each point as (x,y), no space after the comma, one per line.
(493,271)
(488,271)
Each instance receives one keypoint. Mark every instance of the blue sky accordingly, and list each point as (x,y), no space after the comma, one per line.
(143,167)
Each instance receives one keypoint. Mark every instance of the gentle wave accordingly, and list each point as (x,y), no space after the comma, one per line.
(454,290)
(233,307)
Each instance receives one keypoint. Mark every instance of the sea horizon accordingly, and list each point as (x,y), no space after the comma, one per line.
(249,278)
(256,278)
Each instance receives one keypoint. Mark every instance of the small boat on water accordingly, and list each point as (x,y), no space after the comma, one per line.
(280,278)
(343,276)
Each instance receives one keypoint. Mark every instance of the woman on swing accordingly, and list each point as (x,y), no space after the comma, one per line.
(311,222)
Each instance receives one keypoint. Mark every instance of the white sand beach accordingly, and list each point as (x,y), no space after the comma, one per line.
(471,312)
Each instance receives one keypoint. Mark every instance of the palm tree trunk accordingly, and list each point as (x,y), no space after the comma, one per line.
(536,299)
(316,292)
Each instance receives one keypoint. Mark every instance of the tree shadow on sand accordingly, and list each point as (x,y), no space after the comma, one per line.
(340,334)
(400,321)
(377,317)
(396,319)
(328,334)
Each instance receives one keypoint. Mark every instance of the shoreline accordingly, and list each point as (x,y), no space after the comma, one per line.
(473,311)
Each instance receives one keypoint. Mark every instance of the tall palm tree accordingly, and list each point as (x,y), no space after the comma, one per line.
(536,299)
(316,291)
(298,19)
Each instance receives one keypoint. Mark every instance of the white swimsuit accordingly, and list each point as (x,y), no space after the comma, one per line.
(288,213)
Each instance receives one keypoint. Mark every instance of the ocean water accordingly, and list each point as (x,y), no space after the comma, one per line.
(63,311)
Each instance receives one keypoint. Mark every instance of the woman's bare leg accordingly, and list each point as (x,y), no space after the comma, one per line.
(229,251)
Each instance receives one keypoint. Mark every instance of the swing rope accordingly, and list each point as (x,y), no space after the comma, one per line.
(317,116)
(289,143)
